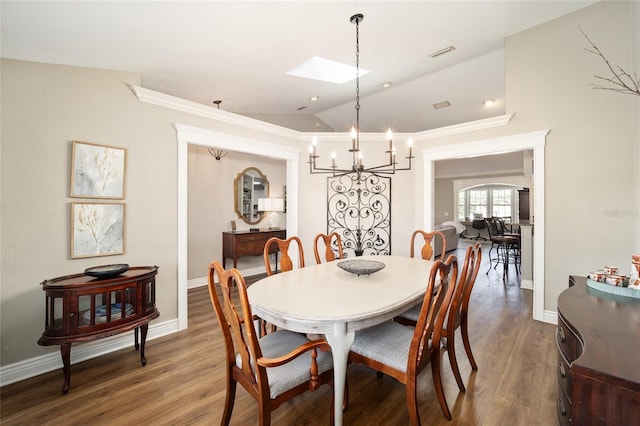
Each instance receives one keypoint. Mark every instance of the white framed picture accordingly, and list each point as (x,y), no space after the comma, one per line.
(97,229)
(97,171)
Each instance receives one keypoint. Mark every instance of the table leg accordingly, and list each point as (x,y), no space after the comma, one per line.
(65,351)
(143,333)
(340,342)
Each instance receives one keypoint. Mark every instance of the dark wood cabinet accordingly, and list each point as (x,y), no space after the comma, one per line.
(598,339)
(80,308)
(247,243)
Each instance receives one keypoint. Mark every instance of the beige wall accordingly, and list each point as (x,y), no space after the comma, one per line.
(587,156)
(210,204)
(44,108)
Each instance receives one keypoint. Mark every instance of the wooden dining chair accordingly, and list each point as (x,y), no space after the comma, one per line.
(457,314)
(410,316)
(428,246)
(403,352)
(286,263)
(332,244)
(273,369)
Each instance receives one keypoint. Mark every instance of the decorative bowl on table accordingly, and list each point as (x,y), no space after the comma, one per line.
(107,271)
(361,266)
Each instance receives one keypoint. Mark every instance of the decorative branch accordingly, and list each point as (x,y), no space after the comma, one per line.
(622,81)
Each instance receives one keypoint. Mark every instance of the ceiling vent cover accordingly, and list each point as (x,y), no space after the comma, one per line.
(442,51)
(441,105)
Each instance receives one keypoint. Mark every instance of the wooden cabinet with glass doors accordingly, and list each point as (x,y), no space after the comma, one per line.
(80,308)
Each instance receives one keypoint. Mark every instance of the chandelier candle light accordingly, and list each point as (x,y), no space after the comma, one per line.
(357,165)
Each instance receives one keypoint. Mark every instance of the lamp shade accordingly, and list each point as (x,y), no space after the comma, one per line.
(271,204)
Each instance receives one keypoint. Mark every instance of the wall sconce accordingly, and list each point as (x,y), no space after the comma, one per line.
(272,205)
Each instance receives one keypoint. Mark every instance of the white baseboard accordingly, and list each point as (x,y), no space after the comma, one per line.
(551,317)
(80,352)
(526,284)
(197,282)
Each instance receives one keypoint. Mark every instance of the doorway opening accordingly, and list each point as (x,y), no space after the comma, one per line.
(534,141)
(192,135)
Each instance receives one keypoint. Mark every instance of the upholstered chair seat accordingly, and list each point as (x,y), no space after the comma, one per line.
(294,373)
(388,343)
(410,317)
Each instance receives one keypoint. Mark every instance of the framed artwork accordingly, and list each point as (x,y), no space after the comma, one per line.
(97,171)
(97,229)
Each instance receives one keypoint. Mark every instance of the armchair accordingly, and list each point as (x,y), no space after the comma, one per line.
(273,369)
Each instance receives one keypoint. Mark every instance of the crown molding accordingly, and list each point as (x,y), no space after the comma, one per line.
(179,104)
(471,126)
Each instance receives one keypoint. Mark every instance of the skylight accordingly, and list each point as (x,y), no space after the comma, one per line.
(325,70)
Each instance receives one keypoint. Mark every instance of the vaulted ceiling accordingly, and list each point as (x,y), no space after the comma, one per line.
(239,51)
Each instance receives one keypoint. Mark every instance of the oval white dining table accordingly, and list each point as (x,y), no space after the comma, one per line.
(324,299)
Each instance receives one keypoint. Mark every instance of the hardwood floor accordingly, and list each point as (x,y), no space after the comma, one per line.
(183,381)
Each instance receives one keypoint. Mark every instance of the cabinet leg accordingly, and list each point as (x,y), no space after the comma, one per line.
(65,351)
(135,338)
(143,332)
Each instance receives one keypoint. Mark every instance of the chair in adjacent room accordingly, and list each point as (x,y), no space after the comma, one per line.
(479,224)
(457,315)
(332,247)
(410,316)
(286,263)
(507,246)
(404,352)
(273,369)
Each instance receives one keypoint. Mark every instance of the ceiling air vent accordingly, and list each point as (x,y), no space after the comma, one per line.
(440,105)
(301,108)
(443,51)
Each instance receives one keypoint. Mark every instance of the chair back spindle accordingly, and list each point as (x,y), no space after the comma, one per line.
(427,250)
(286,262)
(332,244)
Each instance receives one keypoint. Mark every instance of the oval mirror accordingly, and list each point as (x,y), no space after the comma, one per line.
(248,186)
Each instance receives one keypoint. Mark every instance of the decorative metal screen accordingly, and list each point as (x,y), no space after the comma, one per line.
(359,209)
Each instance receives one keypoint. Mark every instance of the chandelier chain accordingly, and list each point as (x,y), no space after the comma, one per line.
(357,73)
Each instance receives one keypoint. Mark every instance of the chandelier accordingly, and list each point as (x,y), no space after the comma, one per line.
(357,164)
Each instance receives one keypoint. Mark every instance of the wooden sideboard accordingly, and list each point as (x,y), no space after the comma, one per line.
(247,243)
(598,339)
(81,308)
